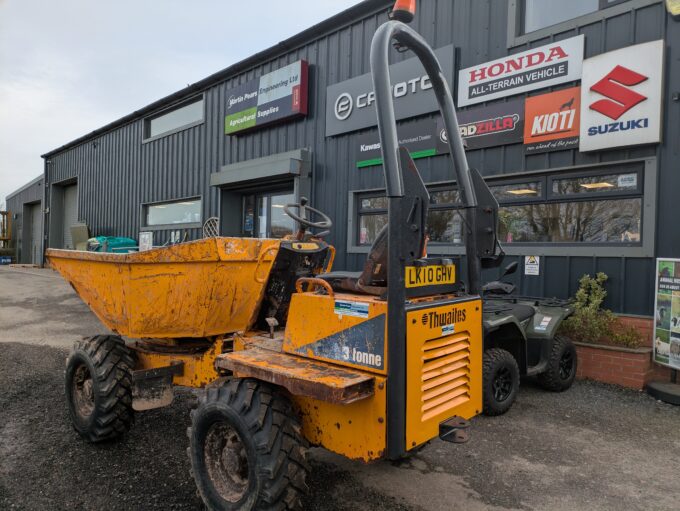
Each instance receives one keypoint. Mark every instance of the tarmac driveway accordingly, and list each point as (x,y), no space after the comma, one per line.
(592,447)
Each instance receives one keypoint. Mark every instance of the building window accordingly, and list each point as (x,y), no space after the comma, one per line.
(182,116)
(444,225)
(538,14)
(180,212)
(595,208)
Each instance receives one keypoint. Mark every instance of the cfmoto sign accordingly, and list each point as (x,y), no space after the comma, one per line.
(343,106)
(350,104)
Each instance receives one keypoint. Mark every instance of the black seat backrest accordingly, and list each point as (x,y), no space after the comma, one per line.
(413,208)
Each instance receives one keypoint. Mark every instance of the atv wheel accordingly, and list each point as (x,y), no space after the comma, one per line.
(246,448)
(99,387)
(561,367)
(501,381)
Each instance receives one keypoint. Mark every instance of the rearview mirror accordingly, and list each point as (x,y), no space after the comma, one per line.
(510,269)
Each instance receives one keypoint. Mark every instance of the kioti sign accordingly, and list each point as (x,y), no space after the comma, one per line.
(621,97)
(547,65)
(274,97)
(552,121)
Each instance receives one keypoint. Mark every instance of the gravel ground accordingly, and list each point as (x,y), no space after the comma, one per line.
(593,447)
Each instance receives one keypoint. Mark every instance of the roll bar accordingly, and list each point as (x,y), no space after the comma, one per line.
(387,127)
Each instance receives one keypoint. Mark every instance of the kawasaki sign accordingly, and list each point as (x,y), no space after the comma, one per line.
(279,95)
(350,104)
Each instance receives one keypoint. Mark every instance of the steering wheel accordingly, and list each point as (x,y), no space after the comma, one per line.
(324,223)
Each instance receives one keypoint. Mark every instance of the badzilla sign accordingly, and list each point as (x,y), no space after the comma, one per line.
(621,97)
(537,68)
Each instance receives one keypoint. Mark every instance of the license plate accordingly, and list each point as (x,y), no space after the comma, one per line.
(419,276)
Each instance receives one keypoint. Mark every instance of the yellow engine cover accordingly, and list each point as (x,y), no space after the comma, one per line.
(443,364)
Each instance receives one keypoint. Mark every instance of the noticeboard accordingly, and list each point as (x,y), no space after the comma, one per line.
(667,313)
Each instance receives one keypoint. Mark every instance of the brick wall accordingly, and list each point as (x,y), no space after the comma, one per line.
(609,365)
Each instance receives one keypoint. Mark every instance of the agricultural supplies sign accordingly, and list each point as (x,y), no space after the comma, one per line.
(667,313)
(274,97)
(350,105)
(537,68)
(552,121)
(621,97)
(419,138)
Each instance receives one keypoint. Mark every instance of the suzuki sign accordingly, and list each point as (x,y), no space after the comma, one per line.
(541,67)
(350,105)
(621,97)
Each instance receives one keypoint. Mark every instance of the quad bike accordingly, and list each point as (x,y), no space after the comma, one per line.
(521,339)
(287,353)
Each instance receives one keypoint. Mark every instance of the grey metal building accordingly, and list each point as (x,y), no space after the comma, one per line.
(214,149)
(25,205)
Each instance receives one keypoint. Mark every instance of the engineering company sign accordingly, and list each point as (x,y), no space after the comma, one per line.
(621,96)
(350,105)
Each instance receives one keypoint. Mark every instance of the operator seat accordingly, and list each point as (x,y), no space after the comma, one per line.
(412,208)
(373,279)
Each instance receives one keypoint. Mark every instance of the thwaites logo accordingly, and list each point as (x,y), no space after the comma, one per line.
(437,319)
(616,87)
(493,126)
(345,103)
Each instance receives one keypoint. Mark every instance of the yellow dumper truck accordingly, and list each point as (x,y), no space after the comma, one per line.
(290,353)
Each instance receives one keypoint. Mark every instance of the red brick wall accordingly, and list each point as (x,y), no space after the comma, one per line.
(611,366)
(643,325)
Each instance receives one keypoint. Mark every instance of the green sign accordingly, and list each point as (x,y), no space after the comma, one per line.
(667,313)
(271,98)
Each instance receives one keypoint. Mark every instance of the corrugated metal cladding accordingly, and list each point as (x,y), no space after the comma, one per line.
(116,172)
(20,203)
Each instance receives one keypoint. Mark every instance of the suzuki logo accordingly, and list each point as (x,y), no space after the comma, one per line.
(621,99)
(343,106)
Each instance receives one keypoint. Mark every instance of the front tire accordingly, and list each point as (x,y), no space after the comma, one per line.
(500,381)
(246,448)
(99,387)
(562,366)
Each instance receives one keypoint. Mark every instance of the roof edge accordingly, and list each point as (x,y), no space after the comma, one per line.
(315,31)
(25,187)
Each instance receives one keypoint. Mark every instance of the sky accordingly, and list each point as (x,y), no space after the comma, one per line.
(68,67)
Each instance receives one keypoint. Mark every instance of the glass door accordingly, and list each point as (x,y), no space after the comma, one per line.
(263,215)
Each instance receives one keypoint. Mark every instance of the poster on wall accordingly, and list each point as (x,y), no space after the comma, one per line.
(667,313)
(276,96)
(552,121)
(621,94)
(537,68)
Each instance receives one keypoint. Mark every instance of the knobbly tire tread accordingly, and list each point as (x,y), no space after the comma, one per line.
(491,358)
(113,363)
(280,449)
(550,379)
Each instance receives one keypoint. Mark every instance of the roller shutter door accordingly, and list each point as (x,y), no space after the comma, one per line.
(70,213)
(36,233)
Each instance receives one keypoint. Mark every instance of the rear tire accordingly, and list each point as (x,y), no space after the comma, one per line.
(99,387)
(500,381)
(246,448)
(562,366)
